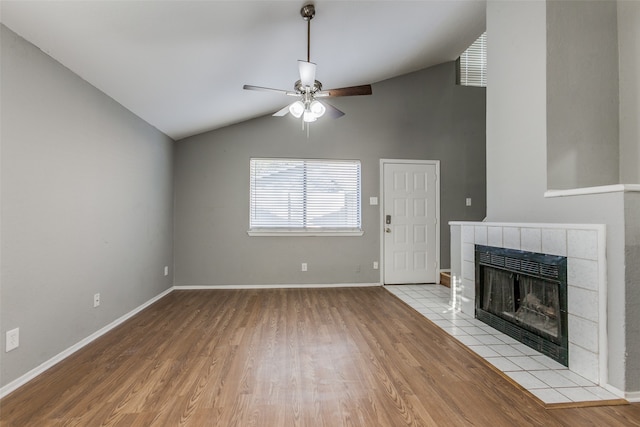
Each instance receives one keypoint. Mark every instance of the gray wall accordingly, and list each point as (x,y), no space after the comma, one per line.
(632,283)
(629,52)
(86,207)
(423,115)
(517,168)
(582,94)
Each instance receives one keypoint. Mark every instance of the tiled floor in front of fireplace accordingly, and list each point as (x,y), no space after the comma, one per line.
(542,376)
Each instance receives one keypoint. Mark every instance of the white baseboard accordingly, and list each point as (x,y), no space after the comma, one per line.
(286,286)
(632,396)
(13,385)
(629,396)
(20,381)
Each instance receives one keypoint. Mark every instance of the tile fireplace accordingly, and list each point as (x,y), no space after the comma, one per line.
(583,247)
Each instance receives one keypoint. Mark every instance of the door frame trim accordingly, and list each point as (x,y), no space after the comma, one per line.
(383,162)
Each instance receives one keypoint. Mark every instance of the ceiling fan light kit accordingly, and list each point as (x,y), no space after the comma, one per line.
(309,113)
(307,89)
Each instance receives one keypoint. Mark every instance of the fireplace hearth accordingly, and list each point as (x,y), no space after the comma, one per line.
(524,295)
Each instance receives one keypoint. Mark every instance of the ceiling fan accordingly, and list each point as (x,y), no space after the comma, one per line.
(308,89)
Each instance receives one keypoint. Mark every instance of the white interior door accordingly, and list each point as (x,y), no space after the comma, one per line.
(410,222)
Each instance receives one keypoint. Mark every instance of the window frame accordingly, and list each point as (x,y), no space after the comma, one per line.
(292,231)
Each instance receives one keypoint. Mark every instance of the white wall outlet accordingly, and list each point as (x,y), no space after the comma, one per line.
(13,339)
(166,270)
(303,267)
(375,265)
(468,201)
(96,300)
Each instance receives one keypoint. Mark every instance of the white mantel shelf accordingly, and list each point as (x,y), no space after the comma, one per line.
(528,225)
(616,188)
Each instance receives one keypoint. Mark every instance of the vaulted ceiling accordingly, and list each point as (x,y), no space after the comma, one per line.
(180,65)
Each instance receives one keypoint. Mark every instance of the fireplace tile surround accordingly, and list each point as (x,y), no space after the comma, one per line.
(582,244)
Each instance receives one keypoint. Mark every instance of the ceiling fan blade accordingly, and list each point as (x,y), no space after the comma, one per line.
(346,91)
(282,112)
(332,111)
(268,89)
(307,73)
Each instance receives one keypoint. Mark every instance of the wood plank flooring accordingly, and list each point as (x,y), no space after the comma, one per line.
(283,357)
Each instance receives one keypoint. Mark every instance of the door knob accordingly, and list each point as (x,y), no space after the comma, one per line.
(387,230)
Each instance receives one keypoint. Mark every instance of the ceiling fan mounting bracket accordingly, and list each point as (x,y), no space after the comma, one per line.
(298,87)
(308,12)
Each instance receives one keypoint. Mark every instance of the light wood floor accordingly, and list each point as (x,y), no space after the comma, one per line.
(286,357)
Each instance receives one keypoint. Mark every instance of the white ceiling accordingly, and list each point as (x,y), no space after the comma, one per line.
(180,65)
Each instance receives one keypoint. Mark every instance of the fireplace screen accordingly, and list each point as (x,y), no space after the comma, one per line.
(523,294)
(530,302)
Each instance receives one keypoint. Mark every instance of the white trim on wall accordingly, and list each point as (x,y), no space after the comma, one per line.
(615,188)
(22,380)
(632,397)
(277,286)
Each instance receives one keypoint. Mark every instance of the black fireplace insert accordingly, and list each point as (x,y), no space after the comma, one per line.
(524,295)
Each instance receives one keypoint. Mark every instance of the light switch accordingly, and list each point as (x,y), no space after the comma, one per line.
(468,201)
(373,201)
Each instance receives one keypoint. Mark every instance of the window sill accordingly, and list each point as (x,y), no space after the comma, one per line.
(305,233)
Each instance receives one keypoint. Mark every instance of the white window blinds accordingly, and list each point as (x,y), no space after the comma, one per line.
(472,64)
(298,195)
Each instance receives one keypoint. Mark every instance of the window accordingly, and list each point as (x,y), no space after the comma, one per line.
(471,67)
(305,197)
